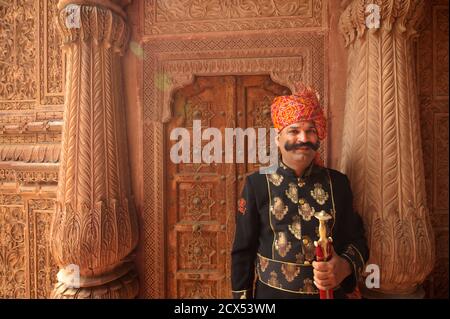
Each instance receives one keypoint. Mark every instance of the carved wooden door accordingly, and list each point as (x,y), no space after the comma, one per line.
(202,198)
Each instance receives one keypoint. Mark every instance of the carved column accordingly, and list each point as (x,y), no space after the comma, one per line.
(382,152)
(95,226)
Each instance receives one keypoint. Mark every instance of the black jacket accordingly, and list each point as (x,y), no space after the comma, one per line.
(273,247)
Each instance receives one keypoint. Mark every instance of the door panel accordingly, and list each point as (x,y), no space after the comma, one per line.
(256,94)
(202,198)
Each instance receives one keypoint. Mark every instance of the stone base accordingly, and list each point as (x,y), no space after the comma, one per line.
(125,287)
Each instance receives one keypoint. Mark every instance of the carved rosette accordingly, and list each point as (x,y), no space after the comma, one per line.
(382,152)
(95,225)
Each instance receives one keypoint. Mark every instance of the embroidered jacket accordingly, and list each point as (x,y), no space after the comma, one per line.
(276,230)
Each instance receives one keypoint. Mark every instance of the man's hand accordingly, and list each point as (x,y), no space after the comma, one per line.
(328,275)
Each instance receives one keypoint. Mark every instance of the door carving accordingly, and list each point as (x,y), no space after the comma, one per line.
(202,198)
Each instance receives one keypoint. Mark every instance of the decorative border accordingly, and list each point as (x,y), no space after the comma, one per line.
(51,56)
(314,18)
(28,178)
(42,269)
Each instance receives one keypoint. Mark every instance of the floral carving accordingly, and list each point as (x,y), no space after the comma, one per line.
(18,51)
(187,16)
(12,252)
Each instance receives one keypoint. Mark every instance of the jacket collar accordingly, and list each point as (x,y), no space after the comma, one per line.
(312,169)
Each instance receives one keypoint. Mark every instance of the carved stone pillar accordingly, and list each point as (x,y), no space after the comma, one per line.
(95,226)
(382,152)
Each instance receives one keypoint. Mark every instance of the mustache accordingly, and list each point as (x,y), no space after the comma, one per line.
(290,147)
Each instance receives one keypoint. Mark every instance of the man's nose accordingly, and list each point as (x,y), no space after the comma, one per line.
(302,137)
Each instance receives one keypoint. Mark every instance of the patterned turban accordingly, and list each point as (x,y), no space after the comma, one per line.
(303,105)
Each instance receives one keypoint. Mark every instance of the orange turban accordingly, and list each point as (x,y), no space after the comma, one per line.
(303,105)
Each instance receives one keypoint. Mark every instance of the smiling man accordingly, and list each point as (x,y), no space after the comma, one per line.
(273,253)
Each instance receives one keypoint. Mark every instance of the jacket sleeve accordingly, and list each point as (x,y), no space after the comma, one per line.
(245,245)
(352,244)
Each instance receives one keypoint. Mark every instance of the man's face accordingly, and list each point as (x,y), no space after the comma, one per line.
(298,142)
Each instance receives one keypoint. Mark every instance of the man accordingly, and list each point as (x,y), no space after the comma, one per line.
(273,253)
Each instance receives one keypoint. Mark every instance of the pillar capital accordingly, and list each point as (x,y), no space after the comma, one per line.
(402,16)
(103,22)
(117,6)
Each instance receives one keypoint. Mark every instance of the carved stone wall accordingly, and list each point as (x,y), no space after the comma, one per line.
(27,268)
(432,67)
(191,16)
(31,98)
(261,37)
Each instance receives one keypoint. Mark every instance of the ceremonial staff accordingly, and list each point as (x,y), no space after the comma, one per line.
(323,247)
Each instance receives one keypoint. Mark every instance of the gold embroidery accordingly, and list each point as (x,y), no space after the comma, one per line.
(279,210)
(290,271)
(350,259)
(273,281)
(282,262)
(333,214)
(239,291)
(308,249)
(333,211)
(319,194)
(309,170)
(308,287)
(282,245)
(359,254)
(301,182)
(292,193)
(287,290)
(282,165)
(263,263)
(296,227)
(350,251)
(305,210)
(276,179)
(275,278)
(270,219)
(299,258)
